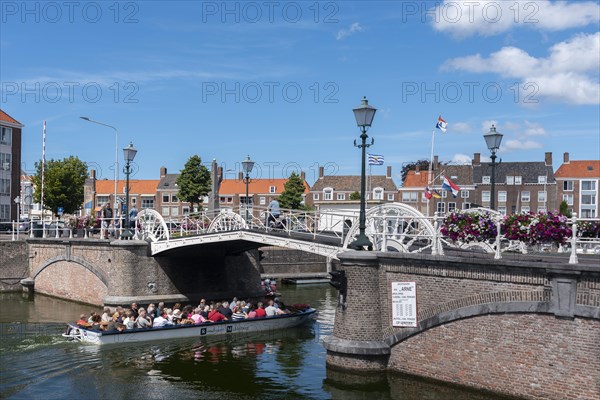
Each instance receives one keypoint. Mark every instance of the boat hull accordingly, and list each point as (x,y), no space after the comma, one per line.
(189,331)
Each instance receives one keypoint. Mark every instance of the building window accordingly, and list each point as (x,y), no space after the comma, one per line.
(502,210)
(165,198)
(4,212)
(510,180)
(485,179)
(568,198)
(315,196)
(5,163)
(464,194)
(513,209)
(341,196)
(588,199)
(451,207)
(133,201)
(568,186)
(485,196)
(542,179)
(328,194)
(441,207)
(541,209)
(587,213)
(263,200)
(5,186)
(444,194)
(410,197)
(588,185)
(525,209)
(5,135)
(390,196)
(174,198)
(165,211)
(185,210)
(502,196)
(101,200)
(174,211)
(148,202)
(525,195)
(542,197)
(229,199)
(378,194)
(272,189)
(466,206)
(518,180)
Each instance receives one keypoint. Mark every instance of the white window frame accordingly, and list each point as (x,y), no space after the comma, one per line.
(510,180)
(591,183)
(272,189)
(542,179)
(451,206)
(165,211)
(485,179)
(6,135)
(341,196)
(315,196)
(378,193)
(518,180)
(464,194)
(502,196)
(390,196)
(542,196)
(328,194)
(485,196)
(569,198)
(262,200)
(568,186)
(168,199)
(502,210)
(525,196)
(441,207)
(444,193)
(525,209)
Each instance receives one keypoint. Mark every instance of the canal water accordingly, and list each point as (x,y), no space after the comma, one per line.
(37,363)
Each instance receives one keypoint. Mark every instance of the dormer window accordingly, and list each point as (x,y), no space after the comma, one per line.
(328,194)
(378,193)
(541,179)
(485,179)
(272,189)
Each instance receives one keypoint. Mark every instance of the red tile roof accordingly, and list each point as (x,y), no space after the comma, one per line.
(256,186)
(106,187)
(416,180)
(7,118)
(579,169)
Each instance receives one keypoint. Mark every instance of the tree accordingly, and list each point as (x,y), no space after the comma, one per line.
(194,181)
(63,184)
(355,196)
(411,166)
(292,193)
(564,209)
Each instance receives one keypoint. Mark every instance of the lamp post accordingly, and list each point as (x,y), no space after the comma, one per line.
(492,140)
(247,166)
(364,115)
(116,204)
(129,154)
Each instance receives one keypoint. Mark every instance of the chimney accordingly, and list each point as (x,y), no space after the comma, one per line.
(435,163)
(163,172)
(93,173)
(321,172)
(566,158)
(215,184)
(389,171)
(417,169)
(476,159)
(240,176)
(302,176)
(548,158)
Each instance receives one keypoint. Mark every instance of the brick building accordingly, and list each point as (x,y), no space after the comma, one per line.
(10,166)
(577,184)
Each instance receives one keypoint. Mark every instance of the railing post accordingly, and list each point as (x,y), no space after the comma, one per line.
(385,234)
(573,258)
(498,254)
(43,226)
(13,230)
(434,240)
(31,229)
(57,235)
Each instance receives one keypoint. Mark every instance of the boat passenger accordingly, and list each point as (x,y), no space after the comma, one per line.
(169,312)
(142,320)
(197,317)
(134,310)
(129,320)
(96,321)
(270,310)
(161,321)
(106,315)
(205,311)
(91,318)
(151,310)
(176,316)
(260,311)
(233,303)
(238,314)
(215,315)
(225,310)
(120,327)
(251,312)
(83,323)
(159,309)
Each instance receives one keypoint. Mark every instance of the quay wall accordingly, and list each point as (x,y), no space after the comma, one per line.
(13,265)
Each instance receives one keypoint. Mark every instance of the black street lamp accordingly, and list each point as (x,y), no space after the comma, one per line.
(247,166)
(364,115)
(492,140)
(129,153)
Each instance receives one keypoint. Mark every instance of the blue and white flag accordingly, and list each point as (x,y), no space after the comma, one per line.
(375,159)
(441,124)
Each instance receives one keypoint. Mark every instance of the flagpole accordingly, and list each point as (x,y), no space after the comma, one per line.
(43,168)
(430,172)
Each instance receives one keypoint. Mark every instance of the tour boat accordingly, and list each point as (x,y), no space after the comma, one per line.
(230,327)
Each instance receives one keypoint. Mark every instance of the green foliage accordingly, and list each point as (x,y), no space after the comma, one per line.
(411,166)
(194,181)
(292,194)
(63,184)
(564,209)
(355,196)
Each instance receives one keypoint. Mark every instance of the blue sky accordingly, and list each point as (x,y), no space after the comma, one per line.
(278,81)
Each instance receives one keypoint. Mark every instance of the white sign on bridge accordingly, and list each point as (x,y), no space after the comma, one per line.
(404,304)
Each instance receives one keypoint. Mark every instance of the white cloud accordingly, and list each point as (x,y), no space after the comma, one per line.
(487,124)
(489,18)
(569,74)
(460,127)
(516,144)
(343,33)
(461,159)
(534,129)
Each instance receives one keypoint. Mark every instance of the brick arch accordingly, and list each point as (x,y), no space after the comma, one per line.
(473,306)
(77,260)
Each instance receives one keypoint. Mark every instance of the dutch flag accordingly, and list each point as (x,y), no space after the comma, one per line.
(441,124)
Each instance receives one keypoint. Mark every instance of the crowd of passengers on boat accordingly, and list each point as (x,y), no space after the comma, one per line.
(161,316)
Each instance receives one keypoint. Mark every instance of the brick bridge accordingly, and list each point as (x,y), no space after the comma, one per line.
(528,327)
